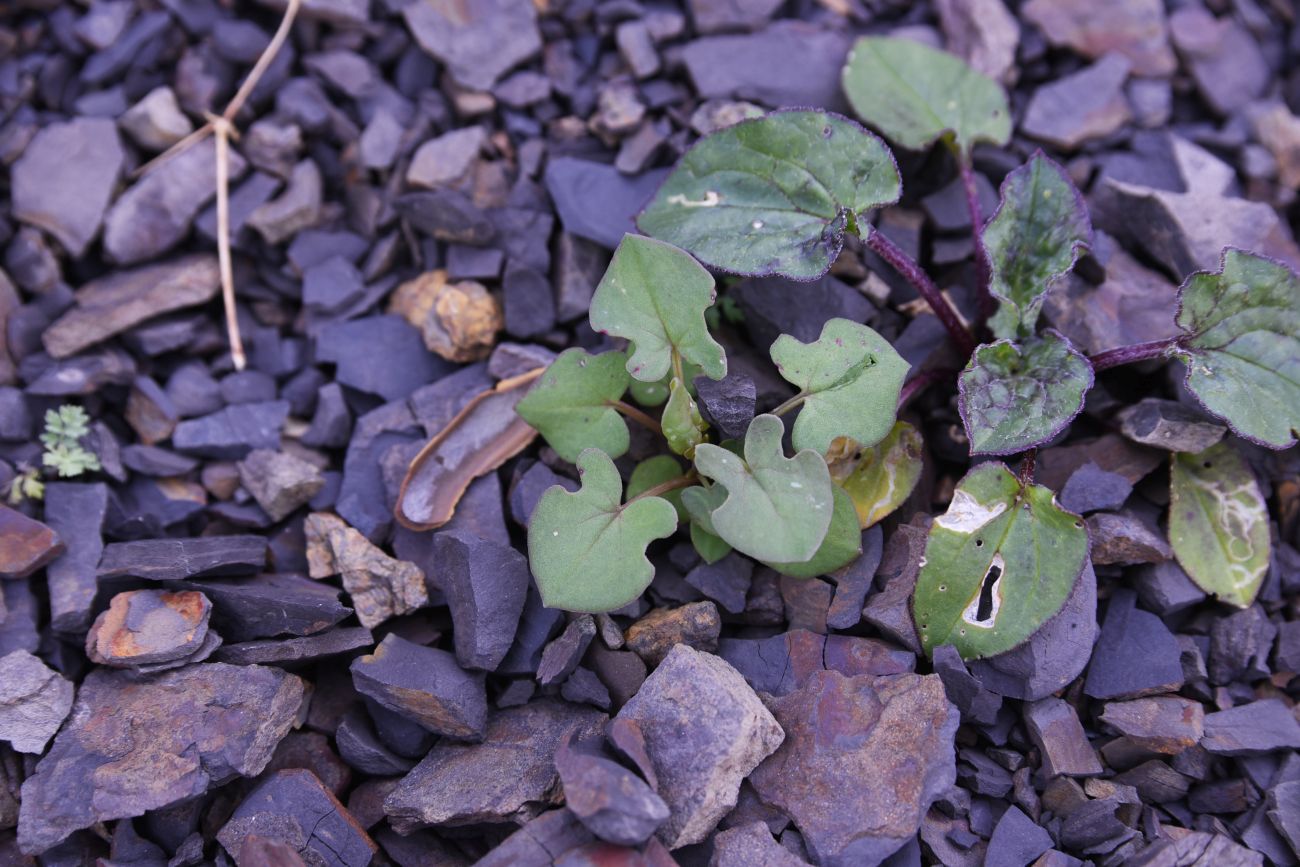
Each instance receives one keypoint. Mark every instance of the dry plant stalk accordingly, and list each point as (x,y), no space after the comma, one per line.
(222,126)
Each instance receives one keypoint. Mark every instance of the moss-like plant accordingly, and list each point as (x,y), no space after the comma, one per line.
(64,452)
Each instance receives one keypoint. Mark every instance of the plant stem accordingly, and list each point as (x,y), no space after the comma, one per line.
(636,415)
(791,403)
(1131,354)
(1027,467)
(983,268)
(222,129)
(912,273)
(921,382)
(678,373)
(664,487)
(263,62)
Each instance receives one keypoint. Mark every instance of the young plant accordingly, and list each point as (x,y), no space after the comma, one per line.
(64,453)
(26,485)
(777,194)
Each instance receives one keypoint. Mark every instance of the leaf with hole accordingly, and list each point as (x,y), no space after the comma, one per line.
(586,549)
(777,508)
(1015,395)
(682,424)
(914,94)
(1218,523)
(850,379)
(1033,240)
(998,564)
(653,472)
(842,544)
(700,502)
(879,478)
(654,295)
(572,405)
(1242,345)
(773,195)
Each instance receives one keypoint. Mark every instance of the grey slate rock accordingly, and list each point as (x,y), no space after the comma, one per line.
(1168,424)
(156,461)
(34,701)
(1166,589)
(787,63)
(380,355)
(853,582)
(425,685)
(1239,646)
(1016,841)
(1054,727)
(727,404)
(193,391)
(612,802)
(1080,107)
(528,301)
(579,265)
(529,486)
(1251,729)
(331,285)
(769,313)
(280,482)
(977,704)
(1136,654)
(1283,803)
(287,651)
(478,43)
(448,215)
(1090,488)
(361,748)
(537,626)
(751,845)
(486,585)
(179,559)
(725,582)
(76,512)
(584,686)
(234,431)
(331,425)
(561,656)
(293,807)
(247,609)
(596,201)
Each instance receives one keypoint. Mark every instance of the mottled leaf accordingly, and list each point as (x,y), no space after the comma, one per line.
(850,377)
(682,424)
(1218,523)
(572,404)
(1038,232)
(777,508)
(656,471)
(699,502)
(914,94)
(881,477)
(586,549)
(773,195)
(654,295)
(1242,346)
(1015,395)
(843,542)
(998,564)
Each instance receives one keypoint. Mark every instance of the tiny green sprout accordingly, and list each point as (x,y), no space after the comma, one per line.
(27,485)
(64,453)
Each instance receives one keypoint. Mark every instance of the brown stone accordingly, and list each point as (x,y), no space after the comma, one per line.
(294,808)
(380,586)
(25,544)
(1120,538)
(697,625)
(1134,28)
(458,321)
(1163,724)
(141,627)
(279,481)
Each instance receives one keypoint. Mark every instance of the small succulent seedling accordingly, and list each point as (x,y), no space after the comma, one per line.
(64,453)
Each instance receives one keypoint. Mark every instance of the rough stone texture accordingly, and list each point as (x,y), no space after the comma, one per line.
(458,321)
(596,201)
(34,701)
(292,650)
(447,159)
(156,122)
(1163,724)
(982,32)
(511,776)
(380,586)
(1225,60)
(705,730)
(179,559)
(1133,28)
(131,747)
(1053,725)
(269,605)
(1251,729)
(76,513)
(486,585)
(279,481)
(654,635)
(1087,105)
(295,209)
(560,657)
(1184,848)
(294,808)
(64,180)
(615,804)
(25,544)
(786,63)
(862,761)
(1136,654)
(477,42)
(426,686)
(1091,488)
(1017,840)
(233,432)
(1123,538)
(751,845)
(1169,425)
(142,627)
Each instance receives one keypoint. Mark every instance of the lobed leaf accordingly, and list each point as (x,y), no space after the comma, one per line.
(1014,396)
(1218,523)
(881,477)
(654,295)
(851,377)
(572,404)
(700,502)
(1034,238)
(773,195)
(1242,345)
(586,549)
(998,564)
(842,544)
(682,424)
(914,94)
(777,508)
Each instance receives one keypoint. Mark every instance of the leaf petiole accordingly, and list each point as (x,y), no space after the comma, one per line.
(664,487)
(1132,354)
(921,282)
(791,403)
(635,415)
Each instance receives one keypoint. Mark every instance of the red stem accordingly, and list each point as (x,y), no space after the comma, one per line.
(983,268)
(912,273)
(1131,354)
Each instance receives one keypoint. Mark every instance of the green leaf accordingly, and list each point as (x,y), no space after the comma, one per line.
(998,564)
(1242,346)
(777,508)
(773,195)
(842,544)
(682,424)
(572,403)
(655,296)
(700,502)
(1218,523)
(587,551)
(851,378)
(1014,396)
(650,393)
(653,472)
(1038,232)
(881,477)
(914,94)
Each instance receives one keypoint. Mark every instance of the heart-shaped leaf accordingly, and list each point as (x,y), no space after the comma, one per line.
(998,564)
(586,549)
(655,296)
(682,424)
(653,472)
(842,544)
(1014,396)
(881,477)
(700,501)
(914,94)
(1038,232)
(1242,346)
(850,378)
(773,195)
(1218,523)
(777,508)
(572,404)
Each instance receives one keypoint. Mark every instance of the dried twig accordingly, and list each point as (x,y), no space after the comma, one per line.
(222,127)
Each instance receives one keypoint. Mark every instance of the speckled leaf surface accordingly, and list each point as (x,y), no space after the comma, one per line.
(570,404)
(881,477)
(1218,523)
(843,542)
(852,378)
(914,94)
(777,508)
(699,502)
(998,564)
(586,549)
(1242,346)
(1037,233)
(655,295)
(1015,395)
(773,195)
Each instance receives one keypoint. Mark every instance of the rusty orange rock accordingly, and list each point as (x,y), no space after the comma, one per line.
(146,627)
(459,321)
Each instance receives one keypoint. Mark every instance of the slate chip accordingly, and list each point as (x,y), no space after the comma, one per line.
(1053,725)
(247,609)
(477,45)
(149,627)
(560,657)
(380,355)
(596,201)
(1256,728)
(727,404)
(179,559)
(613,803)
(34,701)
(1091,488)
(1136,654)
(76,512)
(486,585)
(287,651)
(233,432)
(425,685)
(25,544)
